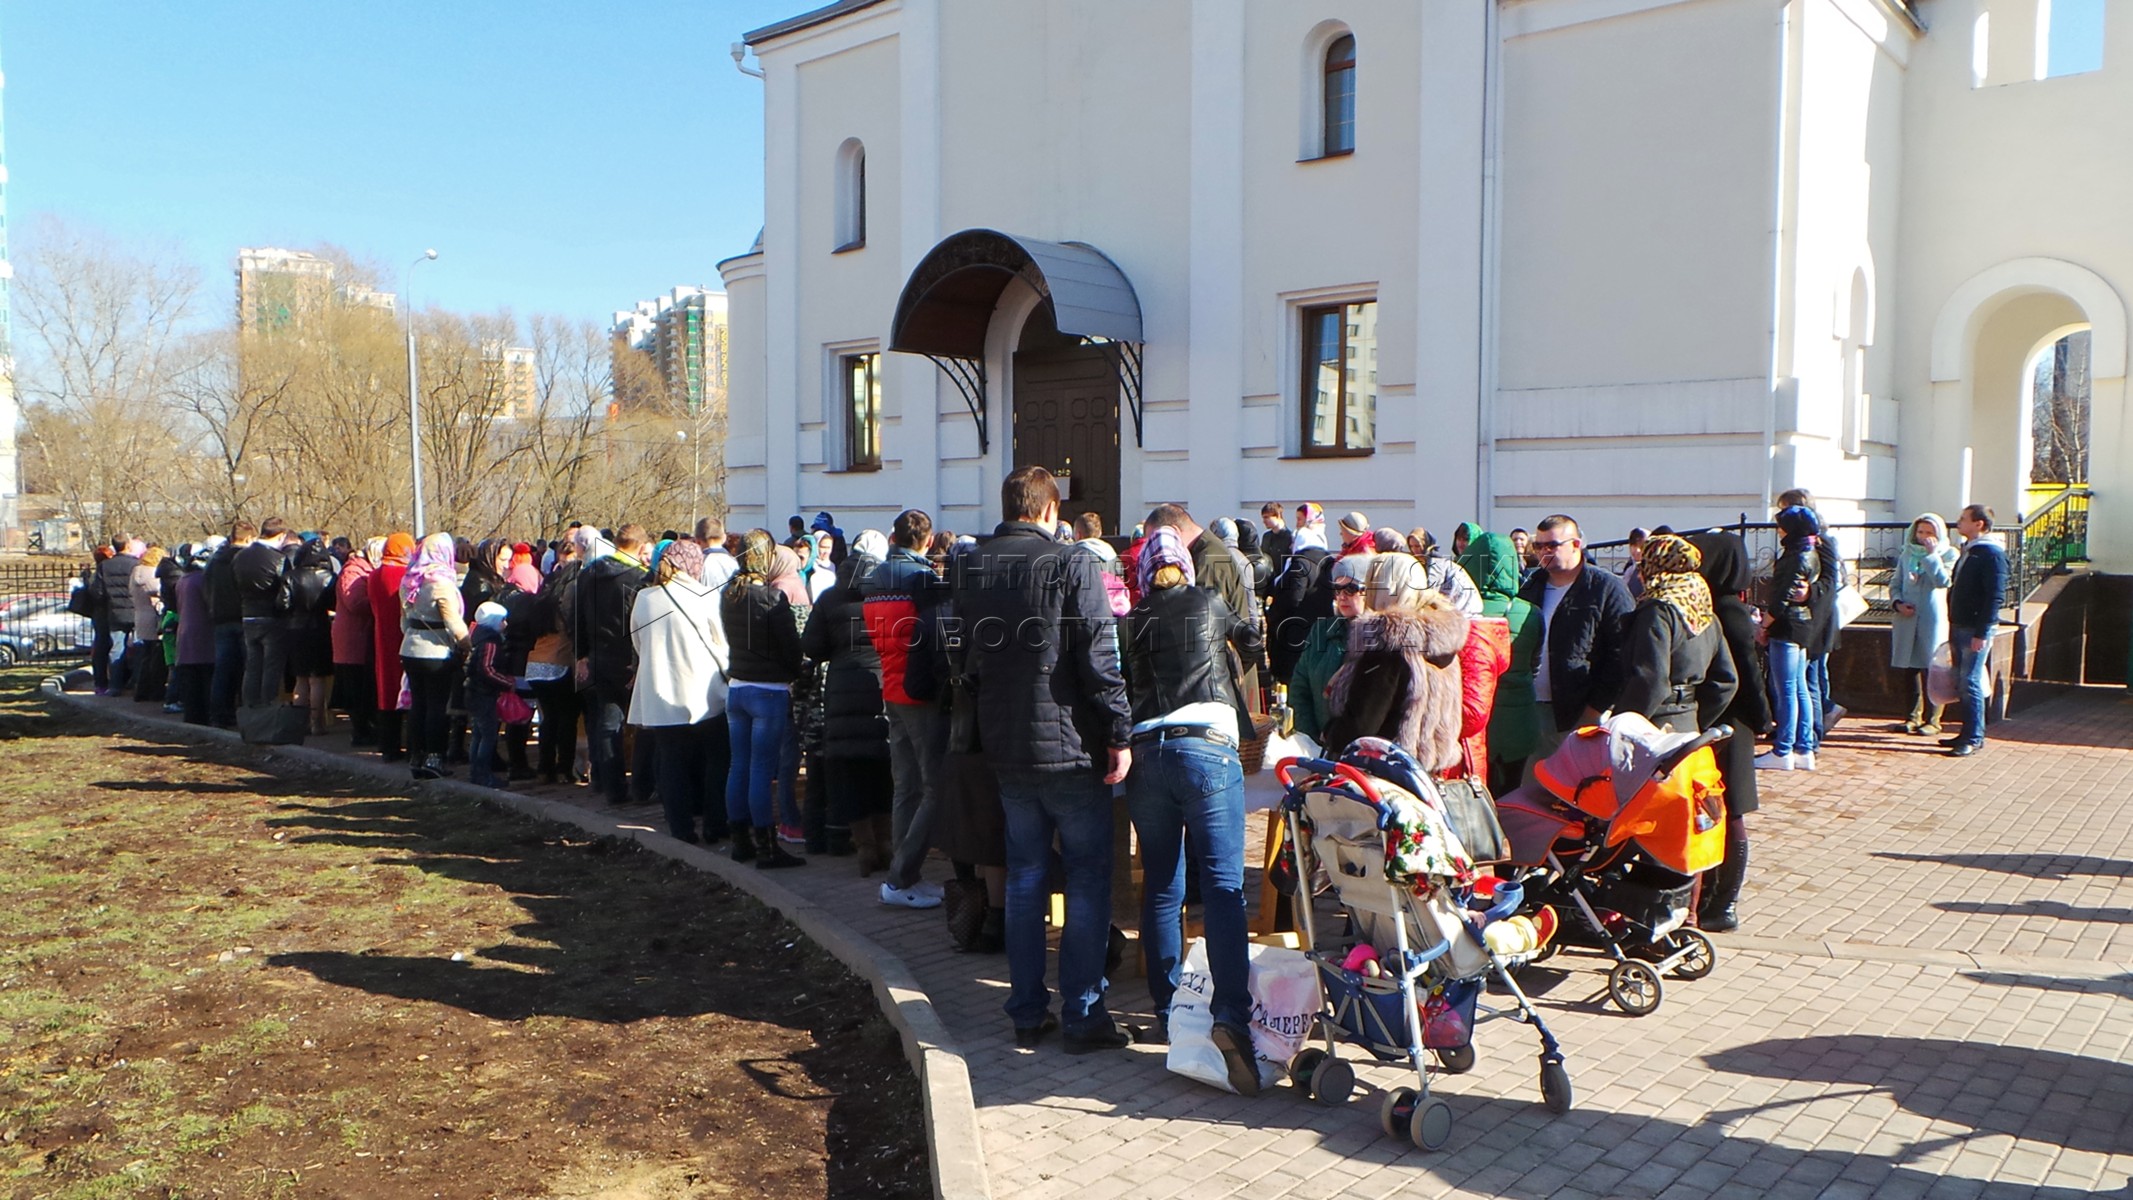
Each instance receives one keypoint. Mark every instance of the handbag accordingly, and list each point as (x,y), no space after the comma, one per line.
(1472,813)
(963,902)
(512,709)
(1851,605)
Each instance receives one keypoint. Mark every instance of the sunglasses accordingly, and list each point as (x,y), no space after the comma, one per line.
(1348,589)
(1551,545)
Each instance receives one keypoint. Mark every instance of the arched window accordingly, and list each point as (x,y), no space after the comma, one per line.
(851,231)
(1337,114)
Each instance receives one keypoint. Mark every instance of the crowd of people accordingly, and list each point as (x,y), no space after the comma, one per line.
(908,692)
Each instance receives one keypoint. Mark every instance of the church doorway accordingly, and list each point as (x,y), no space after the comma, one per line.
(1066,417)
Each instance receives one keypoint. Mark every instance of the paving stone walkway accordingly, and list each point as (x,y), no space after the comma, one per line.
(1932,997)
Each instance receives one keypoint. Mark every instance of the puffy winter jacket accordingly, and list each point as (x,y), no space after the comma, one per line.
(1315,665)
(115,574)
(1043,651)
(854,723)
(763,631)
(1482,661)
(224,603)
(607,592)
(896,595)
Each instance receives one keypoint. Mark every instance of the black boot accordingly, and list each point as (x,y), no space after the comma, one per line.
(743,844)
(389,747)
(770,855)
(992,936)
(515,739)
(1719,912)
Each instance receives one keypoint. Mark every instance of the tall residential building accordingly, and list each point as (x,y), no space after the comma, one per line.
(277,289)
(672,350)
(508,376)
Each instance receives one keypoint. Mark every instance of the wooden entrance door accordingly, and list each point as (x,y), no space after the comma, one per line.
(1066,420)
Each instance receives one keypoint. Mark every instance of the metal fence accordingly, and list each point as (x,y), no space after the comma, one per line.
(35,626)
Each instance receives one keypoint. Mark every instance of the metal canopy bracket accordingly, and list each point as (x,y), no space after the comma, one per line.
(1126,361)
(968,375)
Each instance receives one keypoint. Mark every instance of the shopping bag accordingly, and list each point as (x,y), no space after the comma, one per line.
(1291,745)
(1851,605)
(1940,677)
(1285,998)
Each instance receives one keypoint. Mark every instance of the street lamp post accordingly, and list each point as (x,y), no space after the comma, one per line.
(414,402)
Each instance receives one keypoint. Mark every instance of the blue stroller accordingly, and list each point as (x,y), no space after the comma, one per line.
(1375,826)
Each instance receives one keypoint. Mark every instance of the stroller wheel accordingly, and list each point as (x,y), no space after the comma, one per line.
(1431,1125)
(1394,1112)
(1458,1060)
(1634,987)
(1305,1062)
(1332,1081)
(1555,1087)
(1701,958)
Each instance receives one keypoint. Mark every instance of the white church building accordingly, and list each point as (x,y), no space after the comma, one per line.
(1637,260)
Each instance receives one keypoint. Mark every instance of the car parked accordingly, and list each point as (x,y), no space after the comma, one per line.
(35,627)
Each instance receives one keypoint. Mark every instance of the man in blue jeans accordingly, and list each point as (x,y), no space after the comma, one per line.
(1974,598)
(1043,660)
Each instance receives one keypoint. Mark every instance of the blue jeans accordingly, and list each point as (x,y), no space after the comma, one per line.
(482,727)
(603,711)
(1798,715)
(1824,702)
(1970,679)
(1076,805)
(759,723)
(228,678)
(1192,785)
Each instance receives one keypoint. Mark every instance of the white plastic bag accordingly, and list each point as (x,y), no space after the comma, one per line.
(1942,687)
(1285,996)
(1289,745)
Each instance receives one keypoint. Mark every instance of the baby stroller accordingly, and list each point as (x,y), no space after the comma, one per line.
(1614,828)
(1412,981)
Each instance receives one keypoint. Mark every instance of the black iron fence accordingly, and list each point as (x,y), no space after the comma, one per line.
(35,626)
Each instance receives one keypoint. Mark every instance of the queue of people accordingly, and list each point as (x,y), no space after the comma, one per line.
(892,697)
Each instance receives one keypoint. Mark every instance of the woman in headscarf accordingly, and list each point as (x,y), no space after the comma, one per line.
(764,635)
(1492,563)
(433,645)
(384,588)
(1400,679)
(784,575)
(679,699)
(308,628)
(1323,651)
(523,573)
(145,591)
(1302,593)
(1727,571)
(1463,540)
(852,762)
(1190,710)
(355,685)
(549,664)
(1920,590)
(1677,671)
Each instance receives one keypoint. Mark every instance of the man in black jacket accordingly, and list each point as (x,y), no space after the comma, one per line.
(261,571)
(1052,713)
(607,588)
(1302,591)
(226,609)
(114,577)
(1582,610)
(1974,598)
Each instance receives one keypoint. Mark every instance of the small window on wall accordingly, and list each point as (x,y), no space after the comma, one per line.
(862,411)
(1340,378)
(1338,83)
(851,196)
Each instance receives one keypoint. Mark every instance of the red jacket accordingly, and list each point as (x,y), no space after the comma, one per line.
(893,595)
(1485,656)
(384,585)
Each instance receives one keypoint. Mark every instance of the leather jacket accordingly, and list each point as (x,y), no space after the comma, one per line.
(1177,643)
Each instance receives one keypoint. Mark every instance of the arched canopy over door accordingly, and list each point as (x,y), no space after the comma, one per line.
(947,305)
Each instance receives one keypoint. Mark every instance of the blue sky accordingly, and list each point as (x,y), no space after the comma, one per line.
(562,156)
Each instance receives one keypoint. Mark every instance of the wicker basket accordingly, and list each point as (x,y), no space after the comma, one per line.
(1253,750)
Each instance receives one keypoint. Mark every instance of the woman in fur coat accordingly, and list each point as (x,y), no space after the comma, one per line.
(1400,680)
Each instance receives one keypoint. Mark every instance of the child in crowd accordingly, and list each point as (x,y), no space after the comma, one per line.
(485,687)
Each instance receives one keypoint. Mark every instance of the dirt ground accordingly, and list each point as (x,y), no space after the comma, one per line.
(217,982)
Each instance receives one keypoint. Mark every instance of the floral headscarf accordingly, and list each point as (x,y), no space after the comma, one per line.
(1164,548)
(436,558)
(1672,570)
(684,556)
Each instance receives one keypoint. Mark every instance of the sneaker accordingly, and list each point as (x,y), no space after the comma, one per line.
(173,708)
(911,897)
(1803,760)
(792,835)
(1771,760)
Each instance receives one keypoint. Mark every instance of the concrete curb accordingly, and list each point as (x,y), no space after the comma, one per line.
(952,1135)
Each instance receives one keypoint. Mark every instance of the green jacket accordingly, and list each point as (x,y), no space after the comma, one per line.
(1323,651)
(1514,722)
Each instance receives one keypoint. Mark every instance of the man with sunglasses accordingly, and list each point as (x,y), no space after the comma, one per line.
(1583,610)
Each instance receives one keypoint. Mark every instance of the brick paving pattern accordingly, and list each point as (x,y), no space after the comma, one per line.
(1932,997)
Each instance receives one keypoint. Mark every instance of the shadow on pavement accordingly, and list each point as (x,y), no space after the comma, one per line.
(2045,1096)
(2036,866)
(2115,985)
(2036,908)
